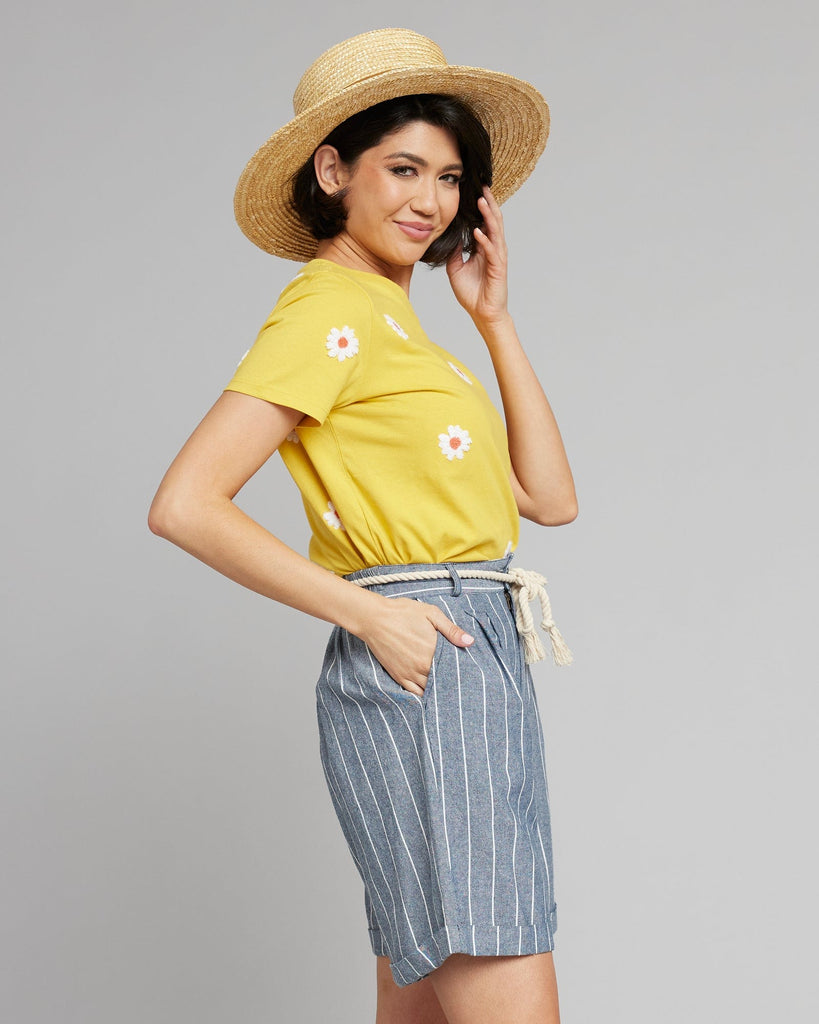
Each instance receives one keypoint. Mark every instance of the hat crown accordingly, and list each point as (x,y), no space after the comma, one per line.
(379,52)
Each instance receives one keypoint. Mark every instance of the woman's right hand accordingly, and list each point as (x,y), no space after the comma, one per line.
(403,636)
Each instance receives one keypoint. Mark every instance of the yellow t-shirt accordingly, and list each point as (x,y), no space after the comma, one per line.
(402,456)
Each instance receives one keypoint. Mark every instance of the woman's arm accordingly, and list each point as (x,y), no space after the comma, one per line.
(541,478)
(194,509)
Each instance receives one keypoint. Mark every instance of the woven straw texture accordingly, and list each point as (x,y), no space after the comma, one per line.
(357,74)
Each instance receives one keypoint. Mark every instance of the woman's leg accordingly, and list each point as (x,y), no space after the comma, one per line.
(411,1004)
(497,989)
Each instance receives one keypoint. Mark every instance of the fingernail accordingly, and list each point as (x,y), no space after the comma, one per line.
(467,639)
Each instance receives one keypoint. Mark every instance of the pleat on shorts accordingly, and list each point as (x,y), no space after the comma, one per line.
(443,799)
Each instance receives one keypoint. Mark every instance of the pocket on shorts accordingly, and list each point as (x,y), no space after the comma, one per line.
(402,692)
(366,677)
(435,666)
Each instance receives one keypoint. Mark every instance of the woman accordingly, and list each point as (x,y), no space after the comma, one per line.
(430,737)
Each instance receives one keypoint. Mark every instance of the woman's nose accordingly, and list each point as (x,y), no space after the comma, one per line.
(425,199)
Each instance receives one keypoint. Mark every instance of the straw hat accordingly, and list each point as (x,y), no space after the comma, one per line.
(356,74)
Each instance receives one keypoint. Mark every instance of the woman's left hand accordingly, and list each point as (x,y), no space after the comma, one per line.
(480,283)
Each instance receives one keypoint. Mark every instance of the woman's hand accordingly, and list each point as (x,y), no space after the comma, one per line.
(480,283)
(403,636)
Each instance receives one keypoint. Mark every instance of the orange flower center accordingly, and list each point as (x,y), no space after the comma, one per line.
(454,442)
(342,343)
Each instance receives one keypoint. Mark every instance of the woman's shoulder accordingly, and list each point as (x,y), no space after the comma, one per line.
(318,299)
(322,277)
(318,289)
(327,277)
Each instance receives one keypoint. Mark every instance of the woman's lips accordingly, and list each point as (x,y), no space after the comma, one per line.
(420,232)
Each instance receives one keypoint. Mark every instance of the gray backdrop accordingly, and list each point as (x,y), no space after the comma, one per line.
(170,852)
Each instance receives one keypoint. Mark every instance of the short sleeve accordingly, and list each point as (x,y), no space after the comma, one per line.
(309,353)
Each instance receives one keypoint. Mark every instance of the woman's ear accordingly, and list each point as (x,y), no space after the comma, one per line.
(331,171)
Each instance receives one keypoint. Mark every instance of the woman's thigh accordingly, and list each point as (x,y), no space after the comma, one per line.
(497,989)
(411,1004)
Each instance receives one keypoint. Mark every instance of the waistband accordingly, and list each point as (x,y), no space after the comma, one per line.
(524,584)
(452,570)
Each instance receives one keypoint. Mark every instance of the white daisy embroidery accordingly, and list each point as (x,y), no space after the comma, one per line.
(341,344)
(293,437)
(399,330)
(459,371)
(331,517)
(456,443)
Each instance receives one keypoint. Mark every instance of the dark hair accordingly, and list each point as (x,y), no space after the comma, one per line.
(324,215)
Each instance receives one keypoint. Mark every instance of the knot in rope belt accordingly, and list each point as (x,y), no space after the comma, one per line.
(525,584)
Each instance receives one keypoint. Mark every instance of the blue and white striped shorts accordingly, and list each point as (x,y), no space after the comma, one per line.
(443,798)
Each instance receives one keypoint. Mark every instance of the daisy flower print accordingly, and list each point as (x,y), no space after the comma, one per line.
(399,330)
(342,344)
(459,371)
(331,517)
(455,443)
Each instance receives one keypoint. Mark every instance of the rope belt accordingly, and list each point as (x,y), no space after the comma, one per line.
(526,585)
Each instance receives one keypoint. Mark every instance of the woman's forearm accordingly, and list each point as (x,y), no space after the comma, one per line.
(536,448)
(399,631)
(220,534)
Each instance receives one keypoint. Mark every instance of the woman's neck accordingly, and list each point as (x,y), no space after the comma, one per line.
(344,251)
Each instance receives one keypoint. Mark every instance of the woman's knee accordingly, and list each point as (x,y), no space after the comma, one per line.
(497,989)
(407,1004)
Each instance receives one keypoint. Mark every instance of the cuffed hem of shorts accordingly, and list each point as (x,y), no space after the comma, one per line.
(477,940)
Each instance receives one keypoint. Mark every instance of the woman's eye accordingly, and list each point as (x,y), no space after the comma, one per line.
(407,170)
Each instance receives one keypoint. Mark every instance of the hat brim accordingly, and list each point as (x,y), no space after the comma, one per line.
(513,112)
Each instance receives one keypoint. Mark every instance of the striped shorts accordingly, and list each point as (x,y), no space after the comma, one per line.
(443,798)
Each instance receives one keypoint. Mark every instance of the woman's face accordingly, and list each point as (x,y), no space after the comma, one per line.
(402,195)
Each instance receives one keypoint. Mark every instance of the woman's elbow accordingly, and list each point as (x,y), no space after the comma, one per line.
(555,515)
(158,518)
(167,516)
(568,515)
